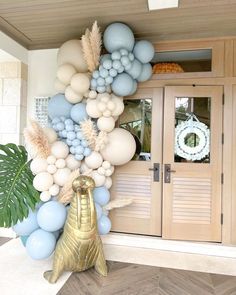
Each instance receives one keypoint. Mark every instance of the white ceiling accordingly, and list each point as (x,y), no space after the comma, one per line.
(5,57)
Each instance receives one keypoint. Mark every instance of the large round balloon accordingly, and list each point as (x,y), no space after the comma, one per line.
(120,148)
(122,85)
(71,52)
(146,73)
(78,112)
(40,244)
(118,36)
(101,195)
(144,51)
(27,226)
(52,216)
(58,106)
(135,69)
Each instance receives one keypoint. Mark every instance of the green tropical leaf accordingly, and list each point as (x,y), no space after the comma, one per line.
(17,193)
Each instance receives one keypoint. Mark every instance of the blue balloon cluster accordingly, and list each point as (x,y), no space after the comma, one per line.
(101,196)
(72,135)
(40,230)
(127,63)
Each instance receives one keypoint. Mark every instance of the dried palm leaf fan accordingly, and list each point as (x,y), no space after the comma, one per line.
(167,67)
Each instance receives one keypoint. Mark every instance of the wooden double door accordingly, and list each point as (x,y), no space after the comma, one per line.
(176,194)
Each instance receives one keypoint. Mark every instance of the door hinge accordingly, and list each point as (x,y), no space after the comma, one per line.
(222,178)
(221,218)
(222,138)
(223,99)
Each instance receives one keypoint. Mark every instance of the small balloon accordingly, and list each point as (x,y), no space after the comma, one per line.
(101,195)
(104,225)
(27,225)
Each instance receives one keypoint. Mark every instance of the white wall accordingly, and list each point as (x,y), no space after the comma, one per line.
(42,68)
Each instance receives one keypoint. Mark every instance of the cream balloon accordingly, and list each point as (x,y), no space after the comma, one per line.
(80,83)
(59,86)
(45,196)
(43,181)
(92,94)
(60,150)
(65,73)
(54,190)
(72,163)
(108,182)
(51,169)
(71,52)
(120,148)
(92,109)
(38,165)
(60,163)
(94,160)
(106,124)
(72,96)
(98,179)
(61,176)
(119,106)
(51,134)
(51,159)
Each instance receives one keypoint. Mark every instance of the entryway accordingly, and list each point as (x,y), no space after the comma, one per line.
(175,178)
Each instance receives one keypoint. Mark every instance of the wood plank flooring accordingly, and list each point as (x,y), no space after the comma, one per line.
(132,279)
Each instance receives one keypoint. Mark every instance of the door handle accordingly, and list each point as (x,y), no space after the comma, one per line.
(167,173)
(156,172)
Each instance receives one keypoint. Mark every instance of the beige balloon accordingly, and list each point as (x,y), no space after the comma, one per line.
(59,150)
(94,160)
(106,124)
(80,83)
(71,52)
(59,86)
(72,96)
(38,165)
(43,181)
(92,109)
(61,176)
(50,133)
(65,73)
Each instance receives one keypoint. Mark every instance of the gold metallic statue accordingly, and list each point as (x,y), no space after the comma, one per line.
(80,246)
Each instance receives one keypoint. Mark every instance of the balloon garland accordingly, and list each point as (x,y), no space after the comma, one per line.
(82,137)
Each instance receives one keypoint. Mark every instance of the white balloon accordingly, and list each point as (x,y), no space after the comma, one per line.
(65,73)
(72,96)
(51,159)
(60,163)
(60,150)
(45,196)
(51,134)
(106,124)
(43,181)
(71,52)
(38,165)
(119,105)
(54,190)
(61,176)
(106,165)
(98,179)
(92,94)
(51,169)
(94,160)
(120,148)
(59,86)
(72,163)
(92,109)
(108,182)
(80,83)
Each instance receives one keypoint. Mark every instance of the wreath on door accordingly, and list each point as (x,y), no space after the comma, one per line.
(186,128)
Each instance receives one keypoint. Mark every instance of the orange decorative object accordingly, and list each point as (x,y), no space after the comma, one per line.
(167,67)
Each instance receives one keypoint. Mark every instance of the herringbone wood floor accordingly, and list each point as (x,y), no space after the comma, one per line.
(132,279)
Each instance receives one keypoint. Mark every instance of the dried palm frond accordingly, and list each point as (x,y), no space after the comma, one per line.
(101,141)
(89,131)
(96,43)
(66,192)
(91,45)
(36,140)
(117,204)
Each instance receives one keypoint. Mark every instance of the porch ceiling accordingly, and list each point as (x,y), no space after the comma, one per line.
(48,23)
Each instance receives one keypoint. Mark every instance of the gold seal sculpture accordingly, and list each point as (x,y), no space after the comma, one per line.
(80,246)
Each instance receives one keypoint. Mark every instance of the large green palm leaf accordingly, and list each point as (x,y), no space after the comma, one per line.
(17,193)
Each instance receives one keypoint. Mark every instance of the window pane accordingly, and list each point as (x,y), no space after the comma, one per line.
(136,118)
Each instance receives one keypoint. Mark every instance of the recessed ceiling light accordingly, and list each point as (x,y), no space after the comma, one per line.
(162,4)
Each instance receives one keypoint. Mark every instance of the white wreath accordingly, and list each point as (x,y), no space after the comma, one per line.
(201,130)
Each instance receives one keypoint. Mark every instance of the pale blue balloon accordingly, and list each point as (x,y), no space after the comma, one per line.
(95,74)
(104,73)
(84,143)
(40,244)
(78,112)
(121,69)
(125,60)
(101,195)
(79,157)
(122,84)
(104,225)
(69,127)
(76,142)
(56,234)
(101,89)
(56,120)
(60,126)
(59,106)
(27,225)
(79,149)
(135,86)
(117,36)
(69,122)
(104,57)
(124,51)
(146,73)
(107,64)
(64,133)
(72,150)
(52,216)
(115,55)
(113,72)
(144,51)
(100,81)
(69,142)
(87,152)
(79,135)
(116,64)
(109,80)
(24,239)
(135,69)
(98,210)
(71,135)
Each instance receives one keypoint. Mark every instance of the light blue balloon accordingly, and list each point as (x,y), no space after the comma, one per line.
(144,51)
(109,80)
(24,239)
(56,234)
(118,35)
(69,122)
(78,112)
(79,149)
(64,133)
(71,135)
(122,84)
(63,118)
(40,244)
(125,60)
(51,216)
(104,225)
(84,143)
(113,72)
(104,57)
(116,64)
(146,73)
(59,106)
(79,157)
(104,73)
(69,142)
(121,69)
(60,126)
(100,81)
(76,142)
(69,127)
(124,51)
(115,55)
(135,69)
(56,120)
(95,74)
(87,152)
(101,89)
(135,86)
(79,135)
(98,210)
(72,150)
(101,195)
(27,225)
(93,83)
(107,64)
